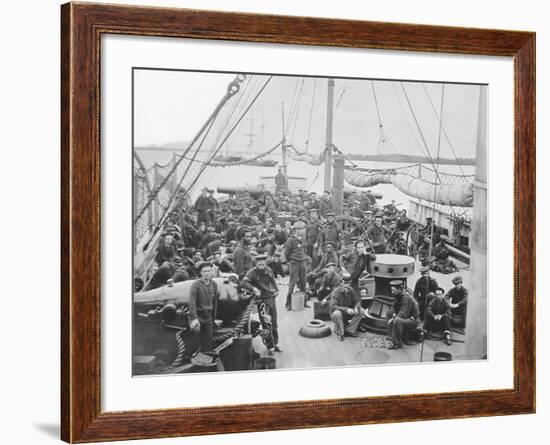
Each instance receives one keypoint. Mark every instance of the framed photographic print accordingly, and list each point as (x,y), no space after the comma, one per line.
(275,222)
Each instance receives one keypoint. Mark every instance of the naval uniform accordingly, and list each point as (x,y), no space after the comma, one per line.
(203,303)
(296,257)
(458,314)
(406,313)
(264,281)
(342,299)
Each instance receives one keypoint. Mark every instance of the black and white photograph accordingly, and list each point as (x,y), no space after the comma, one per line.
(294,222)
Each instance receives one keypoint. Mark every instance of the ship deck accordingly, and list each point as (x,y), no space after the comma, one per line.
(366,349)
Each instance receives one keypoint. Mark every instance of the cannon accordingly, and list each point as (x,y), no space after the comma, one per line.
(254,190)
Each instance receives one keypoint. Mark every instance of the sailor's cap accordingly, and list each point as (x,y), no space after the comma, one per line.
(260,257)
(299,225)
(202,264)
(346,276)
(396,283)
(457,279)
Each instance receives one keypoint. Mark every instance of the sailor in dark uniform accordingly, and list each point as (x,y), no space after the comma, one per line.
(458,300)
(424,285)
(261,281)
(345,309)
(296,256)
(403,316)
(377,234)
(203,303)
(438,316)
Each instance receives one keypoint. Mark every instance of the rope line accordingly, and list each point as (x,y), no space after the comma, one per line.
(185,193)
(232,89)
(444,131)
(311,114)
(419,129)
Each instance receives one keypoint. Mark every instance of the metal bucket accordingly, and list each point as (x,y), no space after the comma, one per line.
(298,301)
(265,363)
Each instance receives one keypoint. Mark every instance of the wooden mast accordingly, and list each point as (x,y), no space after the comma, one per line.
(476,314)
(283,145)
(328,144)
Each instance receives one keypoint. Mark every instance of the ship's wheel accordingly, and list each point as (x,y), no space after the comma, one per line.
(350,228)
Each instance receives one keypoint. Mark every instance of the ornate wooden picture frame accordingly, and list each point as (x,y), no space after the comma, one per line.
(82,26)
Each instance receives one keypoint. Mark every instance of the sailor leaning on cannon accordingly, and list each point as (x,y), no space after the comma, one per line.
(261,281)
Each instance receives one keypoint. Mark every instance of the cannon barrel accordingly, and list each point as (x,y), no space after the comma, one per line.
(254,190)
(348,192)
(178,293)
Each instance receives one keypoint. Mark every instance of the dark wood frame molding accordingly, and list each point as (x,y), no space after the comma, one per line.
(82,25)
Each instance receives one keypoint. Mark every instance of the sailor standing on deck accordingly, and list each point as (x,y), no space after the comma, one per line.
(242,260)
(281,183)
(202,206)
(329,233)
(296,256)
(261,280)
(312,235)
(203,303)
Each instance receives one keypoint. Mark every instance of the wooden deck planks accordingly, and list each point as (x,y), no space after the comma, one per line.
(299,352)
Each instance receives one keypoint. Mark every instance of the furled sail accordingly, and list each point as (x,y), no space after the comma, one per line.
(306,157)
(453,193)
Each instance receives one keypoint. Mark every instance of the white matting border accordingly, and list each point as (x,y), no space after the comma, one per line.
(122,392)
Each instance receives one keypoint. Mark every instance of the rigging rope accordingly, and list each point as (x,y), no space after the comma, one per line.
(242,161)
(405,117)
(232,89)
(340,97)
(185,192)
(419,129)
(444,131)
(311,114)
(297,112)
(376,104)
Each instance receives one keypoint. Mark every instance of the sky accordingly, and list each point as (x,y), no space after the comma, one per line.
(171,106)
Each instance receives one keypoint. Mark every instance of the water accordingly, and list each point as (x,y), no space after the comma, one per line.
(249,175)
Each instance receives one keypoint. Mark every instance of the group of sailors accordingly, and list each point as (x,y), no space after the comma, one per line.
(254,240)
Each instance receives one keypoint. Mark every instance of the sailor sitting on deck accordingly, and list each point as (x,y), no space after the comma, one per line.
(315,277)
(424,285)
(403,316)
(357,263)
(377,234)
(458,299)
(438,316)
(330,281)
(345,309)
